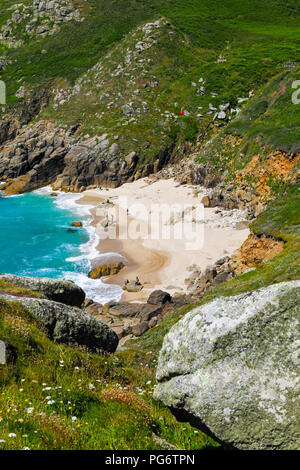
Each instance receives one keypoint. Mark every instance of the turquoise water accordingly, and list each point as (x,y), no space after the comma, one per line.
(35,237)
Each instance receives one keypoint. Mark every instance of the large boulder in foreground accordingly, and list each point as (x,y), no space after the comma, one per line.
(59,290)
(69,325)
(231,368)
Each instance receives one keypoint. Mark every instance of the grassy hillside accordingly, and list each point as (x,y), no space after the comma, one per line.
(233,47)
(204,54)
(55,397)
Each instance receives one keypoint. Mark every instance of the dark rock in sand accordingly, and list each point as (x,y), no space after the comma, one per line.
(132,287)
(159,297)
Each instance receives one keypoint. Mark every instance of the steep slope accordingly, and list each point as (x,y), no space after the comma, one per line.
(130,69)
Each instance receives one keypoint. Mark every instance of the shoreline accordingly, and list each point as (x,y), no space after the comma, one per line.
(159,264)
(96,289)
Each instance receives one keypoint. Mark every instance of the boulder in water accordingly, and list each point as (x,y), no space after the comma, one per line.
(106,270)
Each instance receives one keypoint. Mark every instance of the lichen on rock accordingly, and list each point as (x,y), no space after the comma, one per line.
(231,368)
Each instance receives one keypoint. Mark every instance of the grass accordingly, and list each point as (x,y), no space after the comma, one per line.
(110,397)
(280,220)
(8,287)
(56,397)
(255,38)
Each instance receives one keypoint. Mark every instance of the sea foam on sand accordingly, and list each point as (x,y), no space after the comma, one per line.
(95,289)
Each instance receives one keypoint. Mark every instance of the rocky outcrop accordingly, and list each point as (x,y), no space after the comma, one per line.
(133,286)
(69,325)
(8,129)
(255,250)
(106,270)
(40,18)
(159,297)
(33,159)
(231,368)
(59,290)
(129,320)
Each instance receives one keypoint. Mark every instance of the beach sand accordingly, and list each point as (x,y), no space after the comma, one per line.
(159,263)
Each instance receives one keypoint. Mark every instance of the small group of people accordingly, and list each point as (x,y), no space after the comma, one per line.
(111,218)
(137,282)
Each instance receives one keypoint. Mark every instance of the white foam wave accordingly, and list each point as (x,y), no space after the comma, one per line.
(95,289)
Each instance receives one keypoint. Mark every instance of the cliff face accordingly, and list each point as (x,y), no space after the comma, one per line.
(97,96)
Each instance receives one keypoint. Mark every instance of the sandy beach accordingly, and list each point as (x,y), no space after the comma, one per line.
(127,225)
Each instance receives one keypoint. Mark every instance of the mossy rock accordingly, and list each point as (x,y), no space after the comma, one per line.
(231,367)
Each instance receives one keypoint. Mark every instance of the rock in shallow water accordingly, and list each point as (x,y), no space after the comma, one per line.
(106,270)
(231,367)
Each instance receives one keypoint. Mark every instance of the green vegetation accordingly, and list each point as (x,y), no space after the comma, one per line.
(56,397)
(254,39)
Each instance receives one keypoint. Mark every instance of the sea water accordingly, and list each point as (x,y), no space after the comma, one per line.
(37,239)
